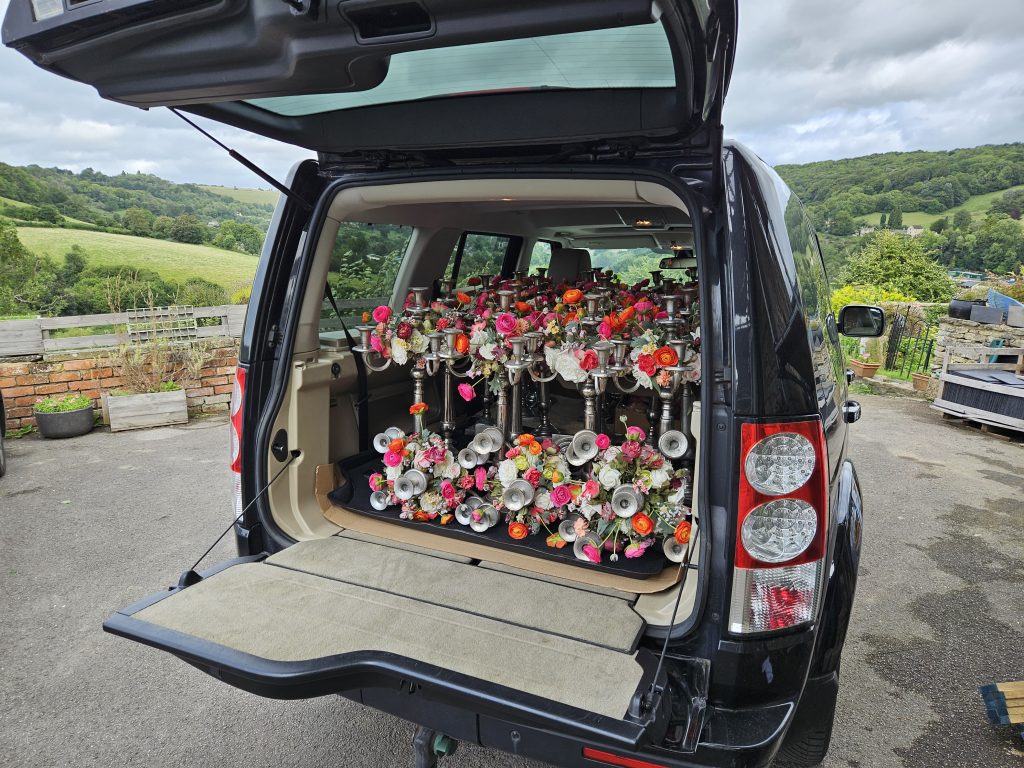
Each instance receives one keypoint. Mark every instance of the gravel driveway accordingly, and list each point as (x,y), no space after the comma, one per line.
(91,524)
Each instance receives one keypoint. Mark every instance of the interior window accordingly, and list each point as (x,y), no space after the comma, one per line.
(540,256)
(631,264)
(364,267)
(477,254)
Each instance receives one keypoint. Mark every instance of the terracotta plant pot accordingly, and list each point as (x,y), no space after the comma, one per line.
(920,381)
(864,370)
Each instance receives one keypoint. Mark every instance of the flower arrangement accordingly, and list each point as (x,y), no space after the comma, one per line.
(528,478)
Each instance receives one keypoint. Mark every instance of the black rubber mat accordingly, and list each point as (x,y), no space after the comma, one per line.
(355,495)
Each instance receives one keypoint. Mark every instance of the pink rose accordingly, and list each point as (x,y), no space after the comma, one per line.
(602,442)
(532,476)
(465,482)
(466,391)
(480,475)
(631,450)
(448,491)
(593,553)
(377,344)
(392,458)
(511,453)
(604,329)
(375,481)
(635,433)
(588,361)
(506,323)
(643,306)
(382,314)
(591,488)
(561,495)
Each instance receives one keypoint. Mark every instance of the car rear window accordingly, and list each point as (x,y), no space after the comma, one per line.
(626,57)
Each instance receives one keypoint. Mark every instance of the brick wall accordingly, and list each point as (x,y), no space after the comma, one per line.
(92,372)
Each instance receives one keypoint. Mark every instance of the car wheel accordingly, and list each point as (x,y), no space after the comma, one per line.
(807,741)
(3,456)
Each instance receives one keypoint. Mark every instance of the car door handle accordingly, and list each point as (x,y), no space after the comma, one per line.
(851,411)
(849,376)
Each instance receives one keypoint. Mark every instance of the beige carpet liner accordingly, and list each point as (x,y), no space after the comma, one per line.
(327,479)
(285,615)
(525,602)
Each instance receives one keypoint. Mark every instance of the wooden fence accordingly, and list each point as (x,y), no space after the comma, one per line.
(34,337)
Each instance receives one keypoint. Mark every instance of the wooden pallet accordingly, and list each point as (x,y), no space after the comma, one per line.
(1004,704)
(1000,433)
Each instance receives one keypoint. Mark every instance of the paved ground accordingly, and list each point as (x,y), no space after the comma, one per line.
(89,525)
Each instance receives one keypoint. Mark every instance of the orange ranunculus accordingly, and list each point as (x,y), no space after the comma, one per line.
(463,298)
(462,343)
(682,534)
(366,317)
(396,445)
(627,314)
(447,518)
(572,296)
(420,516)
(665,356)
(569,318)
(518,530)
(535,448)
(417,408)
(523,307)
(642,524)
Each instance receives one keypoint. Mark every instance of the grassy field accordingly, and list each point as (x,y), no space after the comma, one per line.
(256,196)
(172,261)
(976,205)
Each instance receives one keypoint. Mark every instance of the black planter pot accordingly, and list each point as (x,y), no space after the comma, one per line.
(961,308)
(67,424)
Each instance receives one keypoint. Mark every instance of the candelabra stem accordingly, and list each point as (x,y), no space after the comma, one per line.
(665,422)
(501,418)
(418,375)
(687,459)
(516,411)
(652,420)
(448,415)
(485,414)
(543,407)
(589,393)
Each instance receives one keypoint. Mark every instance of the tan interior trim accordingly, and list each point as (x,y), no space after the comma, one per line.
(328,478)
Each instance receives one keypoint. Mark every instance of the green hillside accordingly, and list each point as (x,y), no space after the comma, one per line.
(243,195)
(174,262)
(976,205)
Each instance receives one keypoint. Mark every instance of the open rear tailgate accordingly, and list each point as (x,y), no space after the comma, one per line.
(340,615)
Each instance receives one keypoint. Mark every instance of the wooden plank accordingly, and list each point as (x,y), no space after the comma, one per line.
(84,342)
(985,386)
(84,321)
(1011,690)
(236,319)
(987,417)
(149,410)
(21,337)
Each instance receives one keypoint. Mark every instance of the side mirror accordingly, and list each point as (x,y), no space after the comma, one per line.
(861,320)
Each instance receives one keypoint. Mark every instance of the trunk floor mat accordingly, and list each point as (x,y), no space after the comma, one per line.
(531,603)
(285,615)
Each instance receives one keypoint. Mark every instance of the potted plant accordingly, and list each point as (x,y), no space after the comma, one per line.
(68,416)
(920,381)
(862,367)
(152,373)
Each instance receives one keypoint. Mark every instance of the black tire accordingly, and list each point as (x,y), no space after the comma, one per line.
(807,741)
(3,430)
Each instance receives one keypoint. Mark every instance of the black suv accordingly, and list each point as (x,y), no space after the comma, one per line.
(478,159)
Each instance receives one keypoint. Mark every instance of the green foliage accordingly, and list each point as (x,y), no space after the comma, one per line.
(896,217)
(895,263)
(962,219)
(235,236)
(187,228)
(138,221)
(48,213)
(62,404)
(366,259)
(162,226)
(200,293)
(242,295)
(939,225)
(1011,203)
(882,221)
(866,294)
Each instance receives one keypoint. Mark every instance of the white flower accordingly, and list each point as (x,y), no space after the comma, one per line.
(393,473)
(676,497)
(568,367)
(399,351)
(478,339)
(658,478)
(449,470)
(487,350)
(608,477)
(589,510)
(507,472)
(643,378)
(430,501)
(612,453)
(543,500)
(418,343)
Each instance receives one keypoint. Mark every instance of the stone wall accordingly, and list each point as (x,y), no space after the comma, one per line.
(954,332)
(91,372)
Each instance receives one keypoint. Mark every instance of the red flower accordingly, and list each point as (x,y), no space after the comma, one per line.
(474,280)
(417,408)
(627,314)
(523,307)
(404,331)
(518,530)
(682,533)
(572,296)
(463,298)
(646,364)
(665,356)
(642,524)
(442,323)
(462,343)
(589,360)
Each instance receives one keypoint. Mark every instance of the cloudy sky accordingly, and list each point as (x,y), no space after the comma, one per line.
(814,79)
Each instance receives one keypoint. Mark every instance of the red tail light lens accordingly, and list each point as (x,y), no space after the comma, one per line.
(608,758)
(235,425)
(782,526)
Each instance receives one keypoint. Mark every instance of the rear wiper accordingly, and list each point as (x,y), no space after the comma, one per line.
(284,190)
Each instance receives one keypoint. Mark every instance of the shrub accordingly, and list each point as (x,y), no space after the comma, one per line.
(866,294)
(62,404)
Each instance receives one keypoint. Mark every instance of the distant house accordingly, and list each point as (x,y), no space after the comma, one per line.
(865,230)
(914,230)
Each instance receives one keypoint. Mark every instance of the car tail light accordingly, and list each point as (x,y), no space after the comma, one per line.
(609,758)
(781,527)
(235,420)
